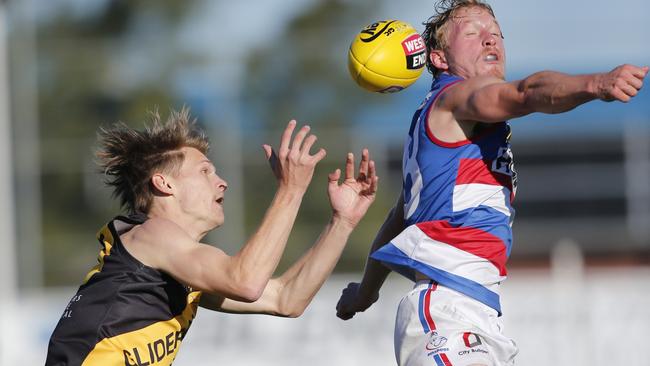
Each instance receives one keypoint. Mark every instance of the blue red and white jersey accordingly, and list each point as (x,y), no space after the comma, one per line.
(457,206)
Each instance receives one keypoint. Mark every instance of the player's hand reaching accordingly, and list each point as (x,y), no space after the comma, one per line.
(622,83)
(350,199)
(353,301)
(293,164)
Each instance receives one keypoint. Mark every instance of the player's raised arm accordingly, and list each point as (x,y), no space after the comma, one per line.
(289,294)
(244,275)
(490,99)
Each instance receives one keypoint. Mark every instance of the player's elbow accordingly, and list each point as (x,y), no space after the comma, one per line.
(240,289)
(288,303)
(292,310)
(250,292)
(248,284)
(294,314)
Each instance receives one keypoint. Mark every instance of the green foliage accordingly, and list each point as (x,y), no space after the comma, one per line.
(303,74)
(86,78)
(77,92)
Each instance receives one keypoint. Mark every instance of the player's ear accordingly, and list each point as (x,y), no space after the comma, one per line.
(161,183)
(438,60)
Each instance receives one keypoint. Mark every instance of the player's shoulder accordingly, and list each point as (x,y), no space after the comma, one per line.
(159,231)
(477,82)
(461,91)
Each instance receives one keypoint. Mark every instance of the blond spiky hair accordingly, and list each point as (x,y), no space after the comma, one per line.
(129,158)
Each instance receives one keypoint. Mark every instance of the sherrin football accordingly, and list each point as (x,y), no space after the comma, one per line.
(387,56)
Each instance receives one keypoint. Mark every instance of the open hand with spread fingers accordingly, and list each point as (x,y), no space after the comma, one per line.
(293,164)
(350,199)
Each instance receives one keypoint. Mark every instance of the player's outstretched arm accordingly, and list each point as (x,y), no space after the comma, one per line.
(289,294)
(244,275)
(358,297)
(489,99)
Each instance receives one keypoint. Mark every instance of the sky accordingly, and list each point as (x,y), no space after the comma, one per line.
(576,36)
(568,35)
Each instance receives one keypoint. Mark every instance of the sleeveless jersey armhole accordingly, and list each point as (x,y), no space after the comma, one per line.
(427,127)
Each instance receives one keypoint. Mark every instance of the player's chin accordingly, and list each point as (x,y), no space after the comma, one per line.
(217,221)
(496,72)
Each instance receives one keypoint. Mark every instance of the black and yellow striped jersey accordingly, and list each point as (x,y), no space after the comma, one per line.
(125,313)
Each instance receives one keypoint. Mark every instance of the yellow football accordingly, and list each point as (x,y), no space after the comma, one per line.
(387,56)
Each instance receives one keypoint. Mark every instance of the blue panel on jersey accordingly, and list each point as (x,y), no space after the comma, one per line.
(399,262)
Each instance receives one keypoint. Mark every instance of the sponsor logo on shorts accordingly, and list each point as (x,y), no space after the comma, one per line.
(472,351)
(435,341)
(436,351)
(471,340)
(435,344)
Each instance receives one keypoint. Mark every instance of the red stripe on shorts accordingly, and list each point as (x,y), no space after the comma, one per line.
(427,301)
(445,359)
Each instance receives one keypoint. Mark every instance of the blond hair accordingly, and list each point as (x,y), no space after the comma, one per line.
(129,158)
(435,31)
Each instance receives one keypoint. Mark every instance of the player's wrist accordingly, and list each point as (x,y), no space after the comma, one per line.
(594,88)
(366,294)
(287,195)
(343,221)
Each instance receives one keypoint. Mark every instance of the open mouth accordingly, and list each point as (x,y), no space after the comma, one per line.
(491,57)
(220,200)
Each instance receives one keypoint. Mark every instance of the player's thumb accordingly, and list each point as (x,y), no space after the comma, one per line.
(268,151)
(333,177)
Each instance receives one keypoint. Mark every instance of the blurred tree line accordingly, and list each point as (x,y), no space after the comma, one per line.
(122,58)
(78,65)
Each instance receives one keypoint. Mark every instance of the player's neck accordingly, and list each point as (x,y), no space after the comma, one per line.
(194,228)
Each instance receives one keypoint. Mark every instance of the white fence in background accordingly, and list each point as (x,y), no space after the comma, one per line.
(563,316)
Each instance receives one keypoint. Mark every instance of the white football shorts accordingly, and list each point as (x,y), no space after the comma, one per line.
(437,326)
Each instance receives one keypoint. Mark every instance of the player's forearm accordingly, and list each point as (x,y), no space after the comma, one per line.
(554,92)
(305,277)
(376,273)
(258,259)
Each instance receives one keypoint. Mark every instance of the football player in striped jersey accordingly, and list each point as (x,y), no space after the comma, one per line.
(450,230)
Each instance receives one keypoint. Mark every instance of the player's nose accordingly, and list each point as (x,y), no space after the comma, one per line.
(221,183)
(490,41)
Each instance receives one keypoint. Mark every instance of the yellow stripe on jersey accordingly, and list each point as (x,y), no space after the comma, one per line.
(156,344)
(106,238)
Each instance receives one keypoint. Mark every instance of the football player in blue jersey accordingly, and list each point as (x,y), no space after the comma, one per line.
(450,229)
